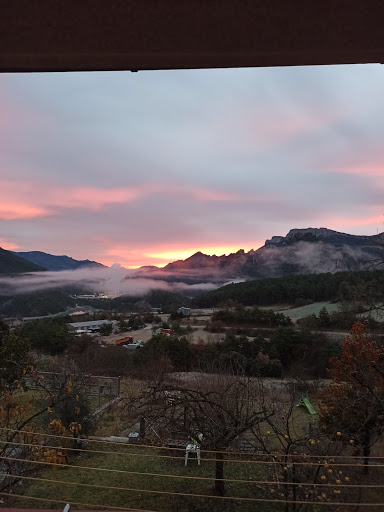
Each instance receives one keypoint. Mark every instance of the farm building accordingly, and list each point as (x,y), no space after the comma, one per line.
(184,311)
(88,327)
(202,312)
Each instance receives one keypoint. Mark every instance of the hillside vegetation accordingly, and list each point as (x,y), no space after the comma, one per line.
(368,285)
(167,301)
(56,263)
(47,302)
(12,264)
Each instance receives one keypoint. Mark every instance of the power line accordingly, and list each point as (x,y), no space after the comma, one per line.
(233,461)
(88,505)
(148,491)
(130,472)
(259,500)
(230,452)
(165,475)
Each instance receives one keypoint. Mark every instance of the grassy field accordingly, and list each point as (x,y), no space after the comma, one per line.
(303,311)
(119,488)
(150,478)
(377,314)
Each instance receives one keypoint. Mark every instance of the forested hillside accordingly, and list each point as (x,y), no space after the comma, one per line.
(12,264)
(46,302)
(57,263)
(290,289)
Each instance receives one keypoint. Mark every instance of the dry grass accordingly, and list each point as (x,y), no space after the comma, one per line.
(130,460)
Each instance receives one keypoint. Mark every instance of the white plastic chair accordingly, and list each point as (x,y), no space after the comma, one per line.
(192,448)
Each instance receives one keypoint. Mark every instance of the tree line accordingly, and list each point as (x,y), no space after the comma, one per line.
(363,286)
(251,317)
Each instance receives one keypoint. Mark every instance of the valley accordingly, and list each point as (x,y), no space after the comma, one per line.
(232,363)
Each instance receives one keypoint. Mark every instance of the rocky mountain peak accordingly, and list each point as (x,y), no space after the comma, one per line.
(314,235)
(316,232)
(301,251)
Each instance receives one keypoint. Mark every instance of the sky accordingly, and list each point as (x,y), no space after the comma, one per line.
(150,167)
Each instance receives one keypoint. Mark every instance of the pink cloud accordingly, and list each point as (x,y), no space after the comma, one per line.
(274,125)
(92,198)
(9,246)
(287,127)
(12,211)
(339,222)
(127,256)
(95,198)
(20,200)
(28,200)
(369,169)
(201,194)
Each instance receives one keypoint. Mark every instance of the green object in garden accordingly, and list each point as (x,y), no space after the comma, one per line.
(304,402)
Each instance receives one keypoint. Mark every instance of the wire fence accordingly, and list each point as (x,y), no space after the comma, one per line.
(155,452)
(170,448)
(96,384)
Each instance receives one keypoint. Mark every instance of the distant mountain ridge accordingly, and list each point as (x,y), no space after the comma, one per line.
(323,235)
(301,251)
(13,264)
(56,263)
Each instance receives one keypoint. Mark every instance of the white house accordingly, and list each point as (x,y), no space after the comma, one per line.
(184,311)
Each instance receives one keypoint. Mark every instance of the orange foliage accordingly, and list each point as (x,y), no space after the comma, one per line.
(352,407)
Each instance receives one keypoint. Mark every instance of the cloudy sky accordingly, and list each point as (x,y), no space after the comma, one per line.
(150,167)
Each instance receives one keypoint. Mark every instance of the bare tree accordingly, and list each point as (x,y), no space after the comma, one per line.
(221,406)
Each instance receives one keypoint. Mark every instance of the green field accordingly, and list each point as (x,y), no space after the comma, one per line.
(303,311)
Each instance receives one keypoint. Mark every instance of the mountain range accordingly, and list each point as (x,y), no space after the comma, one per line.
(56,263)
(301,251)
(37,261)
(12,264)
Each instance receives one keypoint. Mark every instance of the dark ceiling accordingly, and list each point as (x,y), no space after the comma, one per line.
(71,35)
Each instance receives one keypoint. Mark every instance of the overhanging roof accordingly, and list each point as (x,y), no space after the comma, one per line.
(74,35)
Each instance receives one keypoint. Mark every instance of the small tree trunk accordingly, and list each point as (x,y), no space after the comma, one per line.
(142,427)
(219,474)
(185,417)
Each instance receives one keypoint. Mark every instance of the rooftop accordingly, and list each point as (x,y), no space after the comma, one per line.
(68,35)
(89,324)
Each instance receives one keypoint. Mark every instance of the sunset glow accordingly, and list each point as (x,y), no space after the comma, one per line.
(11,211)
(340,223)
(182,254)
(125,256)
(150,168)
(8,246)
